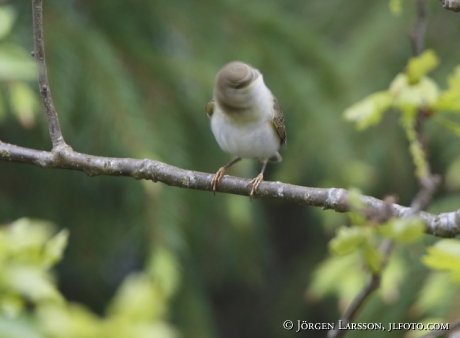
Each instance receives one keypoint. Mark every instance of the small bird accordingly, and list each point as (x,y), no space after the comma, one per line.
(246,119)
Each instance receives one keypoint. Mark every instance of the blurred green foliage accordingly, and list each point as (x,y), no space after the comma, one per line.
(31,306)
(132,79)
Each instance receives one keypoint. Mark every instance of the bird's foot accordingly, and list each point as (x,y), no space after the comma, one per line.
(255,184)
(217,178)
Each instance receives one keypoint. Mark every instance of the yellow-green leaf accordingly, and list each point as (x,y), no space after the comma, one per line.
(419,66)
(347,240)
(403,230)
(31,282)
(11,305)
(422,94)
(373,257)
(164,269)
(369,111)
(415,147)
(26,237)
(70,321)
(138,299)
(445,255)
(54,248)
(449,100)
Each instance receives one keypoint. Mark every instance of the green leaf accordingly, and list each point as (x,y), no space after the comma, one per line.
(25,239)
(415,147)
(373,257)
(54,248)
(449,100)
(7,18)
(369,111)
(138,299)
(164,269)
(422,94)
(403,230)
(70,321)
(11,305)
(18,328)
(31,282)
(347,240)
(419,66)
(445,255)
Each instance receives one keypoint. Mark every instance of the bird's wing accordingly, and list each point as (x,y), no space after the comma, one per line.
(210,108)
(278,122)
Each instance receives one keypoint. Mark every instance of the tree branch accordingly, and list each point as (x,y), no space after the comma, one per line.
(63,157)
(43,83)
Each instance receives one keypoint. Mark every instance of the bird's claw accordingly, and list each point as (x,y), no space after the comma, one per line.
(255,184)
(217,178)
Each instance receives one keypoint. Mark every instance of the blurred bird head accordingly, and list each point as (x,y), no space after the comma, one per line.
(234,82)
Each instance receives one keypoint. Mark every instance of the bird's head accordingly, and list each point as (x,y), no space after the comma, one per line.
(232,83)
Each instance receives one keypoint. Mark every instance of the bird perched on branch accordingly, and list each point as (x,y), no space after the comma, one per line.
(246,119)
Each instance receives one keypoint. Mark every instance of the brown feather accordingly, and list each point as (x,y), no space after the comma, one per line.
(210,108)
(278,122)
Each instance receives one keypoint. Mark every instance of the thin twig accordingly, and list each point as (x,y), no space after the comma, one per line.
(418,34)
(43,83)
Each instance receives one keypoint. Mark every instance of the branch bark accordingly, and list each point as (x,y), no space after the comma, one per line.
(64,157)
